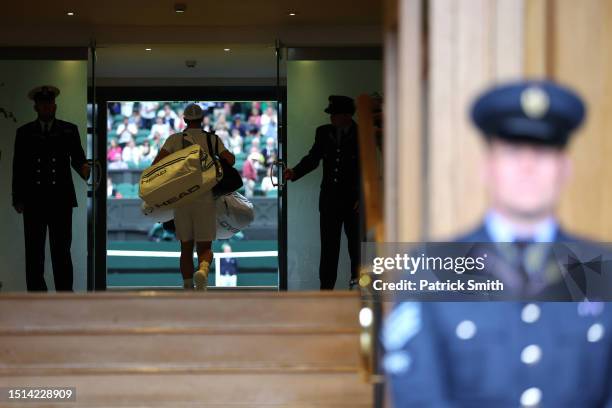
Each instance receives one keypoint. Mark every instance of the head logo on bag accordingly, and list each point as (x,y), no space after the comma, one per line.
(228,227)
(178,178)
(234,214)
(173,200)
(154,176)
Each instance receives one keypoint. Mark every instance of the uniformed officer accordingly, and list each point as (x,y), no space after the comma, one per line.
(509,354)
(335,144)
(43,190)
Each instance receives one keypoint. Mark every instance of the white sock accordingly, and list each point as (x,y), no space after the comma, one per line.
(188,283)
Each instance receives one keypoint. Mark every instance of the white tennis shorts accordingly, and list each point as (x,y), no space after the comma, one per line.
(197,221)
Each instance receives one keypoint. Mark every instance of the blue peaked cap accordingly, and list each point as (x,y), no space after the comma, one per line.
(540,112)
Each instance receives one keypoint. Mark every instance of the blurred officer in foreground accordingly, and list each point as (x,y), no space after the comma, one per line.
(336,145)
(509,354)
(43,191)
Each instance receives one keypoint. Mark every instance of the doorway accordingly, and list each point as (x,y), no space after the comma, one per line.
(140,92)
(132,125)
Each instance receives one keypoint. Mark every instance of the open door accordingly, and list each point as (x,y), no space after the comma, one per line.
(133,123)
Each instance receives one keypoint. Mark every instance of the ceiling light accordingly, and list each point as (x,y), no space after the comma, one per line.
(180,8)
(226,49)
(292,14)
(147,49)
(70,13)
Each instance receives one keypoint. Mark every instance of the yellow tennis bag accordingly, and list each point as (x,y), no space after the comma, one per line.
(179,178)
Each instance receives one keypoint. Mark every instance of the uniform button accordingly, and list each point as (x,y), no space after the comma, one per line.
(53,160)
(53,182)
(53,170)
(531,313)
(466,330)
(397,362)
(531,397)
(595,333)
(531,354)
(335,180)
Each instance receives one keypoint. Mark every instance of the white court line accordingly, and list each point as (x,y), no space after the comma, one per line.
(176,254)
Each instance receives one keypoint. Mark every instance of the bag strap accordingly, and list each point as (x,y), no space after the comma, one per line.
(215,159)
(210,149)
(216,151)
(186,143)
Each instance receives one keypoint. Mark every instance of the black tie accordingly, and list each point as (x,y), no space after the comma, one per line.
(521,246)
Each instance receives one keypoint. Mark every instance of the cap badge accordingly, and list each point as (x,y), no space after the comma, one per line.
(534,102)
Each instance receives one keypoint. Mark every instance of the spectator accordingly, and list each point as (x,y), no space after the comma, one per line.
(147,153)
(221,123)
(170,117)
(268,183)
(126,131)
(131,153)
(160,127)
(269,152)
(272,159)
(156,142)
(255,118)
(237,124)
(235,142)
(227,109)
(110,188)
(114,108)
(224,136)
(206,124)
(127,108)
(253,138)
(256,147)
(249,174)
(136,119)
(148,111)
(180,123)
(114,152)
(269,121)
(229,268)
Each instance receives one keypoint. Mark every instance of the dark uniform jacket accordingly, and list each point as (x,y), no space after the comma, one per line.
(341,172)
(499,354)
(41,164)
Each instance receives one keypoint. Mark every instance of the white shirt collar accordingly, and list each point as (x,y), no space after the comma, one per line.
(501,230)
(43,124)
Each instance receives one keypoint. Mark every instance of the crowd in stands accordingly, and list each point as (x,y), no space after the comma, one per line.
(137,131)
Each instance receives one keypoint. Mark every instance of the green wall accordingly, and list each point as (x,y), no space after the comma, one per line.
(18,78)
(309,83)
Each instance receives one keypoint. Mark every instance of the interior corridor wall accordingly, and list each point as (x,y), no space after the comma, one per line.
(309,83)
(18,77)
